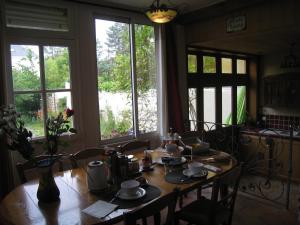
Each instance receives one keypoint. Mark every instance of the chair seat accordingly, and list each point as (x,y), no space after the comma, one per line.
(198,212)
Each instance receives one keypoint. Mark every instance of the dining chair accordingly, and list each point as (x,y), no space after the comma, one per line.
(135,145)
(218,209)
(89,153)
(153,210)
(23,168)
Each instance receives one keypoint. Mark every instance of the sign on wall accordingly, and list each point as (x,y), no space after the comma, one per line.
(234,24)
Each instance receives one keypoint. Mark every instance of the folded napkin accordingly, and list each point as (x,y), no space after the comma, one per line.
(100,209)
(212,168)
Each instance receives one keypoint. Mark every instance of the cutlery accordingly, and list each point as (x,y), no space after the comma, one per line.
(116,195)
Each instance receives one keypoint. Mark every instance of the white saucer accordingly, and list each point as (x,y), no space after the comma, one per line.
(139,193)
(189,173)
(183,160)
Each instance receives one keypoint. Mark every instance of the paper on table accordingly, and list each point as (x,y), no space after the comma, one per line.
(100,209)
(212,168)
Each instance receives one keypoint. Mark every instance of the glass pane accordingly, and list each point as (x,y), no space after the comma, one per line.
(57,67)
(209,106)
(146,78)
(209,64)
(241,104)
(114,79)
(226,65)
(58,102)
(192,63)
(193,108)
(30,107)
(25,67)
(241,66)
(226,105)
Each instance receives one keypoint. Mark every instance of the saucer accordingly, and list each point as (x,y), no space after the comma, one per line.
(139,193)
(189,173)
(171,161)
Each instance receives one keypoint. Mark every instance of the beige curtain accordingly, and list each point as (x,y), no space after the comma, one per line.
(6,183)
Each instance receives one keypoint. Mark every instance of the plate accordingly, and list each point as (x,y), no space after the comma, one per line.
(172,161)
(189,173)
(139,194)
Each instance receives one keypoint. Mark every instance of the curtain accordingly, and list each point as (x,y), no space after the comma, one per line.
(6,182)
(174,103)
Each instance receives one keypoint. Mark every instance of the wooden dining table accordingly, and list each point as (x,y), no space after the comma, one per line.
(21,206)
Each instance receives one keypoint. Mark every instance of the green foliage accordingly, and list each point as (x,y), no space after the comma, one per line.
(192,63)
(57,70)
(209,64)
(62,104)
(25,77)
(111,127)
(114,72)
(125,124)
(241,106)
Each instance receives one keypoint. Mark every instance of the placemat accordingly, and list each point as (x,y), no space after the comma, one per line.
(176,177)
(152,192)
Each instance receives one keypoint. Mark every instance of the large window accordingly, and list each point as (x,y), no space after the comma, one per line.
(221,82)
(41,83)
(126,78)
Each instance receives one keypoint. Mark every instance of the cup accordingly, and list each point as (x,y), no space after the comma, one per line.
(130,187)
(195,167)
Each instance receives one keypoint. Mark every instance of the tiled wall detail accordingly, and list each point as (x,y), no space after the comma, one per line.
(280,122)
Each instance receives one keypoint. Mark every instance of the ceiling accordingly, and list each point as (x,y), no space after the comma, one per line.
(184,6)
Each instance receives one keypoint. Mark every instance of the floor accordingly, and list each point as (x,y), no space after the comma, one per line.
(251,210)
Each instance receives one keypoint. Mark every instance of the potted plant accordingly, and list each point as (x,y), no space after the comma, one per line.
(18,138)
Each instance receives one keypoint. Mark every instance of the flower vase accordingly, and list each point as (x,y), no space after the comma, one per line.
(47,190)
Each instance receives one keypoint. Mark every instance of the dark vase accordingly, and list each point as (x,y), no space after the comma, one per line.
(47,190)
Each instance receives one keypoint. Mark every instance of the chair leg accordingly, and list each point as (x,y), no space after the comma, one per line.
(180,201)
(176,220)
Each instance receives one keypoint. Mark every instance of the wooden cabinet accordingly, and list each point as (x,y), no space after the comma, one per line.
(282,90)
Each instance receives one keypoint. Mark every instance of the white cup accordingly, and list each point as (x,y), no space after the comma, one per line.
(195,167)
(130,187)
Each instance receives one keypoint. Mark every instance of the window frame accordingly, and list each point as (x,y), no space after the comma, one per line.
(131,22)
(41,43)
(201,80)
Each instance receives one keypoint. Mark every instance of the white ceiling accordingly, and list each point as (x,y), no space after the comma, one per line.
(183,6)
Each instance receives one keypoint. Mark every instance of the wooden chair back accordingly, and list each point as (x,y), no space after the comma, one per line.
(225,189)
(135,145)
(83,155)
(29,165)
(153,209)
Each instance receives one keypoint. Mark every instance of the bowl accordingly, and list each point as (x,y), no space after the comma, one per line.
(195,167)
(130,187)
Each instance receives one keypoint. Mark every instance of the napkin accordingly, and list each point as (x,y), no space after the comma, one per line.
(212,168)
(100,209)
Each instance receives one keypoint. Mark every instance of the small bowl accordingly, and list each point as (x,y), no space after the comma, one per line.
(130,187)
(195,167)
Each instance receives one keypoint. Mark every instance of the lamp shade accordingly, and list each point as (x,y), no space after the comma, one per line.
(161,13)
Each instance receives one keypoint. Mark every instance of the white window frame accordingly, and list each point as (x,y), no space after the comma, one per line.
(132,22)
(42,91)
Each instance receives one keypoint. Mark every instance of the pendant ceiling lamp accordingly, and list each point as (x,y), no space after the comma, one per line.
(160,13)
